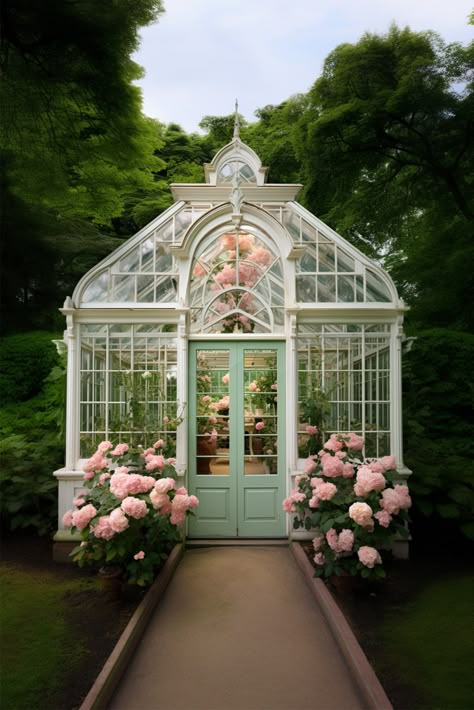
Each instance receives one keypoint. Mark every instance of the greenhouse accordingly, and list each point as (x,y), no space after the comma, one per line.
(242,331)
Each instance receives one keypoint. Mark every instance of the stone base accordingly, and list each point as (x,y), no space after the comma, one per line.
(61,551)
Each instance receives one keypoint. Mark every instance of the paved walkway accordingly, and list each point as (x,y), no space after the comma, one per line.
(237,629)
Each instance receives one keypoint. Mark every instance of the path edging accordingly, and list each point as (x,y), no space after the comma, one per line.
(369,686)
(111,674)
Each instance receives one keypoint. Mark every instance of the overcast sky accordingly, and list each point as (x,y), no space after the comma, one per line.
(202,54)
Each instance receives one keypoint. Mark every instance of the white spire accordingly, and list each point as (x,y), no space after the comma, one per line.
(236,121)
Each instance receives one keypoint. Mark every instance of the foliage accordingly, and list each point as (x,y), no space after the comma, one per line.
(35,636)
(355,521)
(25,360)
(387,153)
(129,513)
(438,408)
(31,448)
(74,144)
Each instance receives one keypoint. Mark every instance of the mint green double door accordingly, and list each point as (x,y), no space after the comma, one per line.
(237,439)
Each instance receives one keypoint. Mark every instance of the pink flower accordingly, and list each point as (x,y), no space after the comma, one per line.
(226,379)
(206,398)
(155,462)
(159,500)
(311,430)
(402,492)
(391,501)
(89,476)
(333,467)
(389,463)
(310,465)
(119,484)
(314,502)
(288,506)
(259,426)
(159,444)
(384,518)
(368,480)
(78,501)
(118,521)
(103,528)
(103,477)
(355,442)
(333,443)
(297,496)
(163,485)
(134,507)
(346,540)
(253,386)
(120,450)
(96,462)
(193,502)
(326,491)
(369,556)
(319,558)
(82,517)
(274,386)
(166,420)
(347,470)
(361,513)
(182,491)
(139,556)
(67,519)
(198,270)
(177,517)
(375,466)
(104,446)
(317,541)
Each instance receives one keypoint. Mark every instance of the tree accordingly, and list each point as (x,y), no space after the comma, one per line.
(74,143)
(386,145)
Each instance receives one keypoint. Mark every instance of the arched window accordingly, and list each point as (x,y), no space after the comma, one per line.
(230,168)
(236,285)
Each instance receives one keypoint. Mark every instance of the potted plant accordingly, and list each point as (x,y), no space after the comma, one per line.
(355,507)
(130,511)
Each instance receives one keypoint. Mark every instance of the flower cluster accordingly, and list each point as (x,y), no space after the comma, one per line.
(130,510)
(263,390)
(356,507)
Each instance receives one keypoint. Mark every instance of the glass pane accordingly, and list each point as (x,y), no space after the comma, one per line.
(212,412)
(260,411)
(376,289)
(326,288)
(327,259)
(345,289)
(97,289)
(306,289)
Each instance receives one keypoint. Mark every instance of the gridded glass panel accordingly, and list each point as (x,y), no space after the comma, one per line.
(128,385)
(236,282)
(343,385)
(228,170)
(376,290)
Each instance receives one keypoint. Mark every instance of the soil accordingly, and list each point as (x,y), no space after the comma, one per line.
(106,617)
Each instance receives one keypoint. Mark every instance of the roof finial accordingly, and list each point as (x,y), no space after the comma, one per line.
(236,121)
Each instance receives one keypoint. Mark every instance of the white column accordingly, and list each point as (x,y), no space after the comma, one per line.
(396,396)
(182,395)
(72,394)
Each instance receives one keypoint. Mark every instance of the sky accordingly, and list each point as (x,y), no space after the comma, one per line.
(203,54)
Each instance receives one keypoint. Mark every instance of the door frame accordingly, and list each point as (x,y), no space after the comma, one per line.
(240,485)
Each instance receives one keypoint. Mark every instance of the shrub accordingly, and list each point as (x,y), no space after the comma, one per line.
(356,507)
(31,448)
(439,447)
(25,361)
(129,514)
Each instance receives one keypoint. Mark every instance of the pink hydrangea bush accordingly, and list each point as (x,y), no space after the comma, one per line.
(131,510)
(356,506)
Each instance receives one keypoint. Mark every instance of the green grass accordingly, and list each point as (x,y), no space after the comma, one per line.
(431,642)
(35,638)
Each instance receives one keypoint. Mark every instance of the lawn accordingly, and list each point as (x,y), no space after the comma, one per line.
(57,628)
(431,641)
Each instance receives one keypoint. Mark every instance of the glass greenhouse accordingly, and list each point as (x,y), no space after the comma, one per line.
(243,331)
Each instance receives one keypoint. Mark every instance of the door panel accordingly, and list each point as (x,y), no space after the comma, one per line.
(236,439)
